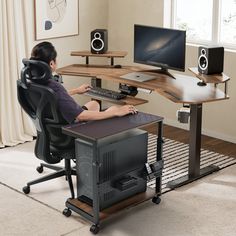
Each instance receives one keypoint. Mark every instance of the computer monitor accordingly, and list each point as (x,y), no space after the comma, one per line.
(161,47)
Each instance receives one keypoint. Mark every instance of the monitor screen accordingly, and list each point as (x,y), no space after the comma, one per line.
(160,47)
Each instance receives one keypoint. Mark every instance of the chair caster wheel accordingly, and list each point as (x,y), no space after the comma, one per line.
(39,169)
(66,212)
(156,200)
(26,189)
(94,229)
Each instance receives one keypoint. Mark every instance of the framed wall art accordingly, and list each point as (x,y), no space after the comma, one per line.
(56,18)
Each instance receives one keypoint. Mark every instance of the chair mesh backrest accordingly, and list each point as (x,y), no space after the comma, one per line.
(40,103)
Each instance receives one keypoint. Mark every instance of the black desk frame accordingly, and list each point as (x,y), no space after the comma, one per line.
(95,215)
(194,171)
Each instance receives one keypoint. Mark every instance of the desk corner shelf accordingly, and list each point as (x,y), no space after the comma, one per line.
(214,78)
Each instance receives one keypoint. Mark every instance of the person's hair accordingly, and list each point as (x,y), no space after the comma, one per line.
(44,51)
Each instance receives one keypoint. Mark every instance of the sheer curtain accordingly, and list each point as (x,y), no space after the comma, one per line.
(15,126)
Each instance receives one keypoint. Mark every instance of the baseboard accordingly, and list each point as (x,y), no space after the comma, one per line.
(207,132)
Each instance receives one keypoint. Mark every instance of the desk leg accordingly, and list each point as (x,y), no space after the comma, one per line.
(97,83)
(112,61)
(194,171)
(95,171)
(159,154)
(87,60)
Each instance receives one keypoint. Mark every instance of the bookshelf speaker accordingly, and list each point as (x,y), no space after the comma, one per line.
(210,60)
(99,41)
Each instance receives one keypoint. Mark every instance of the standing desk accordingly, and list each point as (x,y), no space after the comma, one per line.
(183,89)
(94,131)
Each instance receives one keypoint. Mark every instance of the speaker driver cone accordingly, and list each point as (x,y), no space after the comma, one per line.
(202,62)
(97,44)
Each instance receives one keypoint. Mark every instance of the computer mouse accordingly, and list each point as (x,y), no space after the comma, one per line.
(117,66)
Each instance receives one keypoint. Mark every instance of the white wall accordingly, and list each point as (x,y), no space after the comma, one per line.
(219,118)
(122,16)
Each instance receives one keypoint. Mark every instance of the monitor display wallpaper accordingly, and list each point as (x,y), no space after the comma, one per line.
(159,47)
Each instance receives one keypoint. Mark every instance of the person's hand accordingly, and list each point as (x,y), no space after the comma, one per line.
(122,110)
(83,88)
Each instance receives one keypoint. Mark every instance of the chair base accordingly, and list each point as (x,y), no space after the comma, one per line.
(60,171)
(57,168)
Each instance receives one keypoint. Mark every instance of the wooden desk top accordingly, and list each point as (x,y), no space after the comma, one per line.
(183,89)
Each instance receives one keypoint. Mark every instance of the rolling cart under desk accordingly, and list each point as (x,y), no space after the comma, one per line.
(182,89)
(93,132)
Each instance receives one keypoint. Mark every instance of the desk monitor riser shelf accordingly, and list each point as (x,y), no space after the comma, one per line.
(183,90)
(109,54)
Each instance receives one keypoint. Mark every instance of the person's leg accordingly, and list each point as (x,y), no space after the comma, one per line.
(92,106)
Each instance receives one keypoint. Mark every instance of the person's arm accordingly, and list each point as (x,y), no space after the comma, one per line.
(80,90)
(113,111)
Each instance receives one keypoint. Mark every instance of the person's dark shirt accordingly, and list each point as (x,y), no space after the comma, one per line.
(66,104)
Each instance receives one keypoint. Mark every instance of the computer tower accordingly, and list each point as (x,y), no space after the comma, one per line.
(120,161)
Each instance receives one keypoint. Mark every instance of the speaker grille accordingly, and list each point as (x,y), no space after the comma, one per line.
(203,63)
(97,44)
(108,159)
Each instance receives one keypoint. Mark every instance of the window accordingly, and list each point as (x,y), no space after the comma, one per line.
(206,21)
(228,22)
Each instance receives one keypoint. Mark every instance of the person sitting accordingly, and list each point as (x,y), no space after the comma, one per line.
(70,110)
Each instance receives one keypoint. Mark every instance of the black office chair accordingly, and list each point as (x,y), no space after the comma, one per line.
(40,103)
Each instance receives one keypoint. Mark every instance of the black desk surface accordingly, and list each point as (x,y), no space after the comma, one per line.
(102,128)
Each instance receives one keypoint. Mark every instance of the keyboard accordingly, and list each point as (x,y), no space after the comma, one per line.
(106,93)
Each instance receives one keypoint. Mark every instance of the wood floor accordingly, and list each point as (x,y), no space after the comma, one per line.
(209,143)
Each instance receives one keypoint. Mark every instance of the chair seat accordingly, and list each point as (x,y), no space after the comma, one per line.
(63,153)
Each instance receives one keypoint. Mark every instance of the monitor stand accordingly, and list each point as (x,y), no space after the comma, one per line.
(160,71)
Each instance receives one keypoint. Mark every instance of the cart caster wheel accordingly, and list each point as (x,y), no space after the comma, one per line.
(156,200)
(66,212)
(39,169)
(26,189)
(94,229)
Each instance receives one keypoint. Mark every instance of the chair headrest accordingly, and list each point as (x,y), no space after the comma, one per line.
(36,71)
